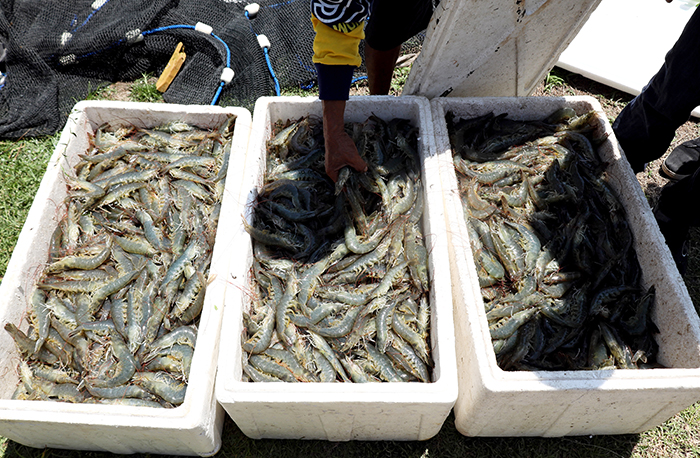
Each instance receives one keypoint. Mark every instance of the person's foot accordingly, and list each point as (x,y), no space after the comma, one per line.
(683,161)
(676,235)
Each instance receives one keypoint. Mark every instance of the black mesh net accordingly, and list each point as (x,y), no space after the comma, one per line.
(58,52)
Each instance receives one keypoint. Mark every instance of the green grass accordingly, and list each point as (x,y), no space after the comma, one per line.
(100,93)
(554,78)
(676,438)
(144,90)
(399,79)
(22,165)
(298,91)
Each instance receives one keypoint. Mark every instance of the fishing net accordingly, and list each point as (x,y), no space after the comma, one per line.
(58,53)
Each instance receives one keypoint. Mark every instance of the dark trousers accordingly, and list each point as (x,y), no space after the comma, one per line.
(678,201)
(391,22)
(646,126)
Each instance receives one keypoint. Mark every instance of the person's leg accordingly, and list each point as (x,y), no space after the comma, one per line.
(380,68)
(675,218)
(646,126)
(391,22)
(674,199)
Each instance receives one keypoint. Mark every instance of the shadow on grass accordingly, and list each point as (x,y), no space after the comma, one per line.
(581,83)
(448,443)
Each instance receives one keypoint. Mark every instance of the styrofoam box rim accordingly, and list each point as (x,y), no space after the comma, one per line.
(199,413)
(680,327)
(231,392)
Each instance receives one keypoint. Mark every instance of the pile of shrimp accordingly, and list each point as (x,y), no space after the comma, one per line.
(113,318)
(340,272)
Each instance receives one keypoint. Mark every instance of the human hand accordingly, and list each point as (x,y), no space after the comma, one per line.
(340,152)
(340,149)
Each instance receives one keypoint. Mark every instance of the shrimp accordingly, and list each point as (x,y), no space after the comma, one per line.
(163,385)
(126,366)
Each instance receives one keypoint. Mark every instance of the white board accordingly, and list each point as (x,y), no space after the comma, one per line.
(624,42)
(479,48)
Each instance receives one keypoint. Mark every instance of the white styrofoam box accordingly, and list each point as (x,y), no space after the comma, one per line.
(194,427)
(495,48)
(342,411)
(493,402)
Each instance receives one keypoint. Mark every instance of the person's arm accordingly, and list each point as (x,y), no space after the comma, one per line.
(340,148)
(336,54)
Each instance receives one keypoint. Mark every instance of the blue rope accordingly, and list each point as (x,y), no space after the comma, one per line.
(75,18)
(167,27)
(279,5)
(184,26)
(250,23)
(89,16)
(228,50)
(304,66)
(218,93)
(272,72)
(267,56)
